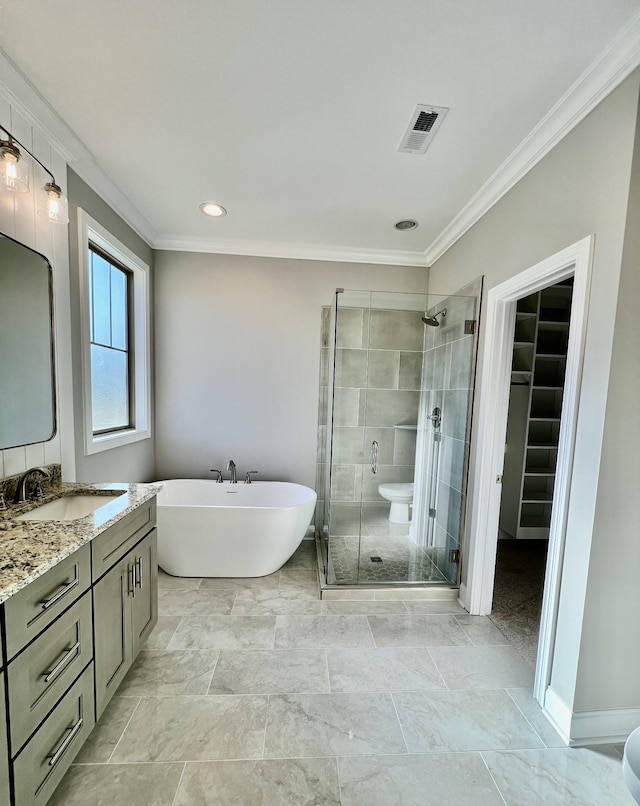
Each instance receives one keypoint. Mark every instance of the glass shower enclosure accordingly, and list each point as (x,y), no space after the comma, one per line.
(396,388)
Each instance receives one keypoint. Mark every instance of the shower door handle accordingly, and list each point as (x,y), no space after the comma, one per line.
(374,457)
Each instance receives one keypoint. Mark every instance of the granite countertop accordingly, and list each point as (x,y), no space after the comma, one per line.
(30,548)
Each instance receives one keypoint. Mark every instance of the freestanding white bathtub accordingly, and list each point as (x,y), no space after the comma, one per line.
(206,529)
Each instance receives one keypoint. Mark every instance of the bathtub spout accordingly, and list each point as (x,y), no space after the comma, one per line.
(232,467)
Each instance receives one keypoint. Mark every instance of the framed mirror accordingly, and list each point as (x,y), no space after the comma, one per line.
(27,377)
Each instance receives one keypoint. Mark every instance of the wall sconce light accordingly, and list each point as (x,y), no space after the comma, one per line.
(14,176)
(14,173)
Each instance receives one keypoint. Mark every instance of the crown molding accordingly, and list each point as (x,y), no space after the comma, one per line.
(613,65)
(31,105)
(619,59)
(293,251)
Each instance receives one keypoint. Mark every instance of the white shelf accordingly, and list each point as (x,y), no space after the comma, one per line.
(542,328)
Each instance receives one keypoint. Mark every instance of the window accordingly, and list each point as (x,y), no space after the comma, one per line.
(115,323)
(109,294)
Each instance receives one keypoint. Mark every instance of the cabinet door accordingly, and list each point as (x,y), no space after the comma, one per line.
(112,630)
(145,602)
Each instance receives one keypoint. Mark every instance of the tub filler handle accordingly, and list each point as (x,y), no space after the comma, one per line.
(219,472)
(247,478)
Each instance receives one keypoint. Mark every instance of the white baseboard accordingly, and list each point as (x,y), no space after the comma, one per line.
(603,727)
(583,728)
(558,713)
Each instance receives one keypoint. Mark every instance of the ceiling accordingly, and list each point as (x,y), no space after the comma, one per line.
(290,112)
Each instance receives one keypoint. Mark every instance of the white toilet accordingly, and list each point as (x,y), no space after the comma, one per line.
(401,497)
(631,764)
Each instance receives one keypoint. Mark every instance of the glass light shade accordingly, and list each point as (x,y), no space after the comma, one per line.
(53,204)
(14,171)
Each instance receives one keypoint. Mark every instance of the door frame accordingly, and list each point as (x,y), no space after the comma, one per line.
(499,316)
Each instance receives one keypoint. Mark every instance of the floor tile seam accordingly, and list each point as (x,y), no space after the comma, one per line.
(328,755)
(175,794)
(395,708)
(213,671)
(373,638)
(544,744)
(124,729)
(403,754)
(438,670)
(174,631)
(266,722)
(326,663)
(110,764)
(495,783)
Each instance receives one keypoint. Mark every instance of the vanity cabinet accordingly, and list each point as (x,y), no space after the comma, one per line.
(125,601)
(49,676)
(70,636)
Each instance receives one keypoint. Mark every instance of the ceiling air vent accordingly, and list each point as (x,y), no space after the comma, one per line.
(422,128)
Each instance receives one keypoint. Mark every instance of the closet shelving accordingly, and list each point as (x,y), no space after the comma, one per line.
(537,378)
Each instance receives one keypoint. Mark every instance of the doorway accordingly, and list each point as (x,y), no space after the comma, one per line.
(487,467)
(540,343)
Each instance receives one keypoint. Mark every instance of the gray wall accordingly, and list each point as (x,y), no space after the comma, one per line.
(610,650)
(237,358)
(135,462)
(581,187)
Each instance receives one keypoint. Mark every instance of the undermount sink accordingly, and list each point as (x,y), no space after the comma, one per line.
(68,507)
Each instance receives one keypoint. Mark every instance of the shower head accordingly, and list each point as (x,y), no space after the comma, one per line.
(432,321)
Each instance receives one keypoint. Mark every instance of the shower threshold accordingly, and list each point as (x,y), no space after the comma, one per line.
(435,590)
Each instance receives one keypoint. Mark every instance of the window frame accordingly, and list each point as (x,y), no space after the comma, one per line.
(90,231)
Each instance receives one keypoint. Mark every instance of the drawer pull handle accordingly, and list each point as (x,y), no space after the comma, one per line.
(139,572)
(131,582)
(55,757)
(51,674)
(47,603)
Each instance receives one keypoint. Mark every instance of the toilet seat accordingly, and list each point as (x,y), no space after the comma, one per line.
(396,492)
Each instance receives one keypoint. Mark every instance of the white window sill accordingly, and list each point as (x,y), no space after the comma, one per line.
(106,442)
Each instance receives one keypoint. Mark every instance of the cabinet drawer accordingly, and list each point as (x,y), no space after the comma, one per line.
(40,675)
(108,547)
(40,766)
(33,608)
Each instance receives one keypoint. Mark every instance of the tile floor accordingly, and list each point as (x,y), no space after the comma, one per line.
(360,533)
(253,691)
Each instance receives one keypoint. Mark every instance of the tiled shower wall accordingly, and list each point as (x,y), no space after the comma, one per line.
(378,367)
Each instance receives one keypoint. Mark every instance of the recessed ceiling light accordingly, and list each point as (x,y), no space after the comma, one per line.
(210,208)
(406,224)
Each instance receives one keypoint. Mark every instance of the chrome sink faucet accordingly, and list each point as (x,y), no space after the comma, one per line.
(21,488)
(232,467)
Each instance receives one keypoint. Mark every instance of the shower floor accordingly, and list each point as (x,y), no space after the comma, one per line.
(382,553)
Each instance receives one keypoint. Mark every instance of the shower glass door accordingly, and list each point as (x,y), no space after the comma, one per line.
(398,410)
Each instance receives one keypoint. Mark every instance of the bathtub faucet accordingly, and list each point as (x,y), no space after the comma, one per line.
(219,472)
(232,467)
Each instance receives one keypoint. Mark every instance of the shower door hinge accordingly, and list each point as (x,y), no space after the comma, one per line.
(454,555)
(469,327)
(432,512)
